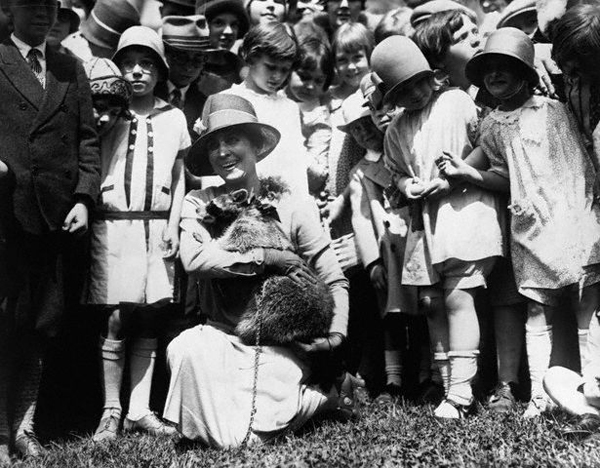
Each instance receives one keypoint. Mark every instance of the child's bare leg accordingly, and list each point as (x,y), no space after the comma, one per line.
(538,336)
(112,359)
(432,303)
(463,328)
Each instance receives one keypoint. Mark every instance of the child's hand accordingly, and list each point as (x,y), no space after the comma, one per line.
(451,166)
(170,240)
(414,189)
(76,221)
(333,208)
(378,276)
(437,188)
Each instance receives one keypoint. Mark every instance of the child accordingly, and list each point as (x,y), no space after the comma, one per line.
(50,152)
(272,52)
(535,149)
(135,234)
(308,87)
(454,236)
(352,46)
(380,234)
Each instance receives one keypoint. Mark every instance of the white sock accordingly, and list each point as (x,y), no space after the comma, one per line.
(143,355)
(584,357)
(463,368)
(443,366)
(112,356)
(539,349)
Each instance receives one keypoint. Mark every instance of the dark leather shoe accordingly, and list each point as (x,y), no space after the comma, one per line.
(27,446)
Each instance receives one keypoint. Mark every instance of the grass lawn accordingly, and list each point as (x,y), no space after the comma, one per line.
(385,436)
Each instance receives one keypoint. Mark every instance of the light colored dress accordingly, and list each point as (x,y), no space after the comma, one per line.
(212,371)
(289,159)
(555,231)
(463,225)
(138,156)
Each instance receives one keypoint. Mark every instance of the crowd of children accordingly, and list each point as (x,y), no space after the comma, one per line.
(455,176)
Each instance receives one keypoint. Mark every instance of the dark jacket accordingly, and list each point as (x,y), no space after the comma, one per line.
(192,105)
(48,140)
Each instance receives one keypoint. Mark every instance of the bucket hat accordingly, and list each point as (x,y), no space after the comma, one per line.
(223,111)
(354,108)
(427,9)
(142,36)
(396,60)
(565,388)
(107,21)
(212,8)
(106,79)
(507,42)
(188,33)
(514,9)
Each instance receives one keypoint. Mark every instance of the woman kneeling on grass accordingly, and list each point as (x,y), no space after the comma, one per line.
(223,392)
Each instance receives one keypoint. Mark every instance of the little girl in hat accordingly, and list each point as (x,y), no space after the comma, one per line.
(135,235)
(535,150)
(454,235)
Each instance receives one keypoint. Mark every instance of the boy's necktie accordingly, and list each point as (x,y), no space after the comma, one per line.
(34,62)
(176,98)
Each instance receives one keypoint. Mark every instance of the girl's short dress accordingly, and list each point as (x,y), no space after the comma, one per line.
(127,249)
(555,228)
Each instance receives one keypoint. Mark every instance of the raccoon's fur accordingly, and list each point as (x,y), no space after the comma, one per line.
(289,311)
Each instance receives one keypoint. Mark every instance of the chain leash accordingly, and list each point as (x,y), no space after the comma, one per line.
(257,351)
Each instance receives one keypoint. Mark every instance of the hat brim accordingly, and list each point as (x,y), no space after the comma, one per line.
(476,67)
(72,17)
(216,7)
(562,385)
(505,22)
(389,96)
(93,32)
(164,67)
(348,127)
(197,158)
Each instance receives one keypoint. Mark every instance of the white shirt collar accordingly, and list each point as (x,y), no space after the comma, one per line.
(373,156)
(24,48)
(183,90)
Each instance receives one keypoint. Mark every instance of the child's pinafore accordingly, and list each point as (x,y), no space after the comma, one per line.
(138,156)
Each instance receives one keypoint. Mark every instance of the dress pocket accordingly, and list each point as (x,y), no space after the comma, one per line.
(525,219)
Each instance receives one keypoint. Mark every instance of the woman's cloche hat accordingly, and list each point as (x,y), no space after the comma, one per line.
(354,108)
(142,36)
(212,8)
(222,111)
(106,80)
(396,60)
(507,42)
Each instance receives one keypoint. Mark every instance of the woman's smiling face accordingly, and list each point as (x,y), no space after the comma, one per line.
(232,155)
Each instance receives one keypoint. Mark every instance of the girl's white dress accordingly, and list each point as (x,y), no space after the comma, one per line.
(463,225)
(138,156)
(555,225)
(289,159)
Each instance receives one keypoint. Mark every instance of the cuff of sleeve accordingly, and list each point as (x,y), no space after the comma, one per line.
(85,199)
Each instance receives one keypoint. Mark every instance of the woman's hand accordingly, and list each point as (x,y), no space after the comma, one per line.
(327,344)
(414,189)
(76,221)
(451,166)
(170,240)
(284,262)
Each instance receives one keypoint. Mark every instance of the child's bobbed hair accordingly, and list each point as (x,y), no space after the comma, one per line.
(435,35)
(576,37)
(316,55)
(395,22)
(352,37)
(275,40)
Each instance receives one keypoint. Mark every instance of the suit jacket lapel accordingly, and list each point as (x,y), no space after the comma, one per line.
(57,82)
(18,72)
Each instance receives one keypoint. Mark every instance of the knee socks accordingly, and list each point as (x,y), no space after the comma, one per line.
(463,368)
(539,349)
(442,366)
(393,367)
(143,356)
(112,355)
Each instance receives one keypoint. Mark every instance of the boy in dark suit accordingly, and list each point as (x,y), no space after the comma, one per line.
(50,147)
